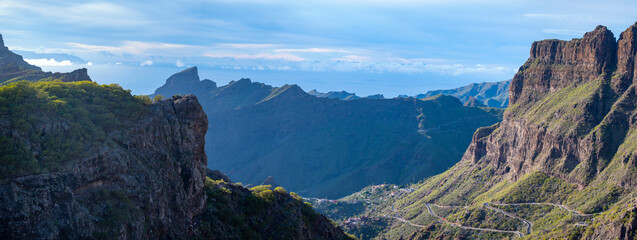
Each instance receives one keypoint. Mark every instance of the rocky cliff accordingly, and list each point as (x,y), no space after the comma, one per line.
(144,181)
(561,165)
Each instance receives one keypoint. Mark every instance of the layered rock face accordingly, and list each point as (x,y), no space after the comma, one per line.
(572,116)
(148,185)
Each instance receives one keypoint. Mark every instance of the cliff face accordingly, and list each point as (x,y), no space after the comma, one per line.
(561,165)
(571,110)
(147,183)
(573,118)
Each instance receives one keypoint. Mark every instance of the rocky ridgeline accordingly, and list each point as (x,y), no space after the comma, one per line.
(147,186)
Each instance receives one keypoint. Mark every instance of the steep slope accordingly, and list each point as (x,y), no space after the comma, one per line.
(13,68)
(562,163)
(492,94)
(328,147)
(342,95)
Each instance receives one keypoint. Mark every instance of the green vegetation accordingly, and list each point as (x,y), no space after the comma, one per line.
(537,187)
(158,98)
(54,123)
(234,212)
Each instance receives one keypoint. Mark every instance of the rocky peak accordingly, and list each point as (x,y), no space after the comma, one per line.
(556,64)
(185,82)
(186,76)
(2,46)
(626,51)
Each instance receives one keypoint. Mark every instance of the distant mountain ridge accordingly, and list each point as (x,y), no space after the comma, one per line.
(342,95)
(491,94)
(13,68)
(329,147)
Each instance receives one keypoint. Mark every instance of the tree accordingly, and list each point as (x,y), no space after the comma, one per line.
(158,97)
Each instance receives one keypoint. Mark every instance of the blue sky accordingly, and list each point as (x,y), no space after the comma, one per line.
(374,46)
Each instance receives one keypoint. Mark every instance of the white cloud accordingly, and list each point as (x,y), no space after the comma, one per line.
(313,50)
(353,58)
(146,63)
(246,45)
(179,63)
(268,56)
(49,62)
(89,64)
(133,47)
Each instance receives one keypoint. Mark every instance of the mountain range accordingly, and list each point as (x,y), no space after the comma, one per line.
(327,147)
(13,68)
(561,165)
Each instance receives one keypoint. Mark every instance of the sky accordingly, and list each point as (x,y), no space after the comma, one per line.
(389,47)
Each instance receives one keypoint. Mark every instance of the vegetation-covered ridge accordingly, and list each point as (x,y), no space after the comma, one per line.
(235,212)
(47,125)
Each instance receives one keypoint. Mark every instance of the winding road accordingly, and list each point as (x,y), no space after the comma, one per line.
(578,213)
(529,224)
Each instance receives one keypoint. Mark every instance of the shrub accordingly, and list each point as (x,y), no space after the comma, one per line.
(281,190)
(158,98)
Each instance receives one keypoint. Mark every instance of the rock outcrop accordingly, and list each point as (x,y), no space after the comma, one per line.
(186,82)
(149,185)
